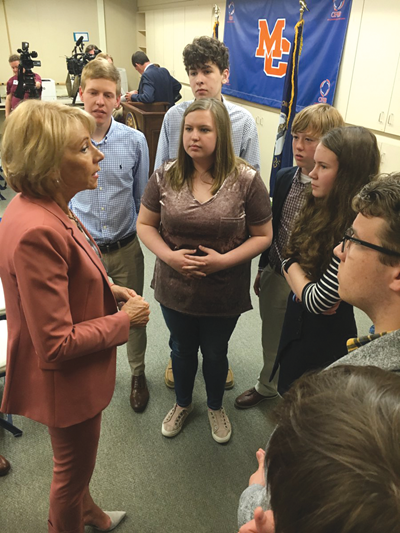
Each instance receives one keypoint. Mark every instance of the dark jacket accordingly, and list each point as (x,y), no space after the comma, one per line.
(284,180)
(157,85)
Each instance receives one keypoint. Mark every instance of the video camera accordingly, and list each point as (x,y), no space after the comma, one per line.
(26,78)
(79,59)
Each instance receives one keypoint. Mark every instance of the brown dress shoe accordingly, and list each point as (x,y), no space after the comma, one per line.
(4,466)
(250,398)
(139,393)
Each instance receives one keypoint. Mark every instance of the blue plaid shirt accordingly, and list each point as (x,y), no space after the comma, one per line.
(110,211)
(244,134)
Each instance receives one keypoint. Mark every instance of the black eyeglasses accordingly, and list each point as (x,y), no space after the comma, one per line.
(348,236)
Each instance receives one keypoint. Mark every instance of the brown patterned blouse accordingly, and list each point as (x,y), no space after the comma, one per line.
(220,223)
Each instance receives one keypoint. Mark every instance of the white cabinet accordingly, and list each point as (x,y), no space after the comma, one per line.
(168,31)
(390,157)
(393,118)
(375,87)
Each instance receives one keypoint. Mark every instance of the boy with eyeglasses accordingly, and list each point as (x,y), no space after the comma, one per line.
(369,272)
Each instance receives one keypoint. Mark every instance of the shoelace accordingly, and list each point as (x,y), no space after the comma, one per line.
(223,416)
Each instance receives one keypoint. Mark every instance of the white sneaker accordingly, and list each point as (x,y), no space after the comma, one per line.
(173,422)
(221,429)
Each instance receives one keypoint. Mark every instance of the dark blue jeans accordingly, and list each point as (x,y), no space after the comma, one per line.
(211,334)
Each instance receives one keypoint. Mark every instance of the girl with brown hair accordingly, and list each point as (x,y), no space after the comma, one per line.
(317,325)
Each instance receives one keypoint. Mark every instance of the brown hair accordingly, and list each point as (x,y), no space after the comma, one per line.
(96,70)
(139,58)
(13,57)
(225,161)
(381,198)
(322,221)
(334,457)
(206,50)
(317,119)
(35,137)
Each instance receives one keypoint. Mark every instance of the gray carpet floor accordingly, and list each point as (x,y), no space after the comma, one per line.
(185,484)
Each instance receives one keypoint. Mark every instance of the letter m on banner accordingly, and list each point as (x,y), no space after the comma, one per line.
(272,46)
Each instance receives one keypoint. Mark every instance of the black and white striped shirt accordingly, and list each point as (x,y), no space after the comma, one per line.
(323,295)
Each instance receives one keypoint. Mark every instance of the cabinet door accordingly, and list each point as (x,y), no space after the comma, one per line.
(393,119)
(375,65)
(390,157)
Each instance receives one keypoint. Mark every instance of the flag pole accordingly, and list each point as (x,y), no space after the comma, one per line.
(283,153)
(216,21)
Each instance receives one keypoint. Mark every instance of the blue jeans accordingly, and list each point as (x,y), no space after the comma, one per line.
(211,334)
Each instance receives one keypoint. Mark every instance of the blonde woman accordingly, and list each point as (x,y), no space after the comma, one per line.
(62,316)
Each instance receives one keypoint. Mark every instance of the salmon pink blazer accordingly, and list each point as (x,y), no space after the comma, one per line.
(63,322)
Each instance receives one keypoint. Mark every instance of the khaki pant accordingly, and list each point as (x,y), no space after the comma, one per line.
(126,268)
(274,292)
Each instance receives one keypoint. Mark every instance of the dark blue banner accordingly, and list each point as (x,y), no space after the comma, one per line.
(259,36)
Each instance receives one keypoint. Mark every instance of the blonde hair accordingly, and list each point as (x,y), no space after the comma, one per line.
(105,56)
(317,119)
(34,140)
(96,70)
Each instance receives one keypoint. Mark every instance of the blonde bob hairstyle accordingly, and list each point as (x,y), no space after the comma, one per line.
(34,140)
(225,160)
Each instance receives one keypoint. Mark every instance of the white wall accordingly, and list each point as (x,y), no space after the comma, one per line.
(171,25)
(48,25)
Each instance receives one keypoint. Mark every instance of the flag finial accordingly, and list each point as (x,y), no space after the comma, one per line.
(303,7)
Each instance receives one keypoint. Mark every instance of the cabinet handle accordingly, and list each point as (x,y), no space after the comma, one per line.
(381,115)
(390,119)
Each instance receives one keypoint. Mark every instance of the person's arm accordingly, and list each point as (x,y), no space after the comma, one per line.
(147,227)
(318,297)
(176,87)
(263,522)
(8,104)
(146,95)
(140,172)
(128,95)
(38,81)
(250,148)
(213,261)
(42,270)
(162,154)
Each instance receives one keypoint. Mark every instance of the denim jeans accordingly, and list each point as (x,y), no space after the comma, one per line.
(211,334)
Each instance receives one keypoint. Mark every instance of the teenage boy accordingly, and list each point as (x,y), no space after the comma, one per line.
(308,127)
(332,462)
(206,62)
(110,211)
(369,273)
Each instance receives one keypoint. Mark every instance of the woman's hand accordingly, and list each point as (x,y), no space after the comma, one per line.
(122,294)
(204,265)
(138,311)
(179,261)
(257,284)
(332,310)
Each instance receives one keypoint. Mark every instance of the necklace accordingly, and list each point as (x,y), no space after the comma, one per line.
(71,216)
